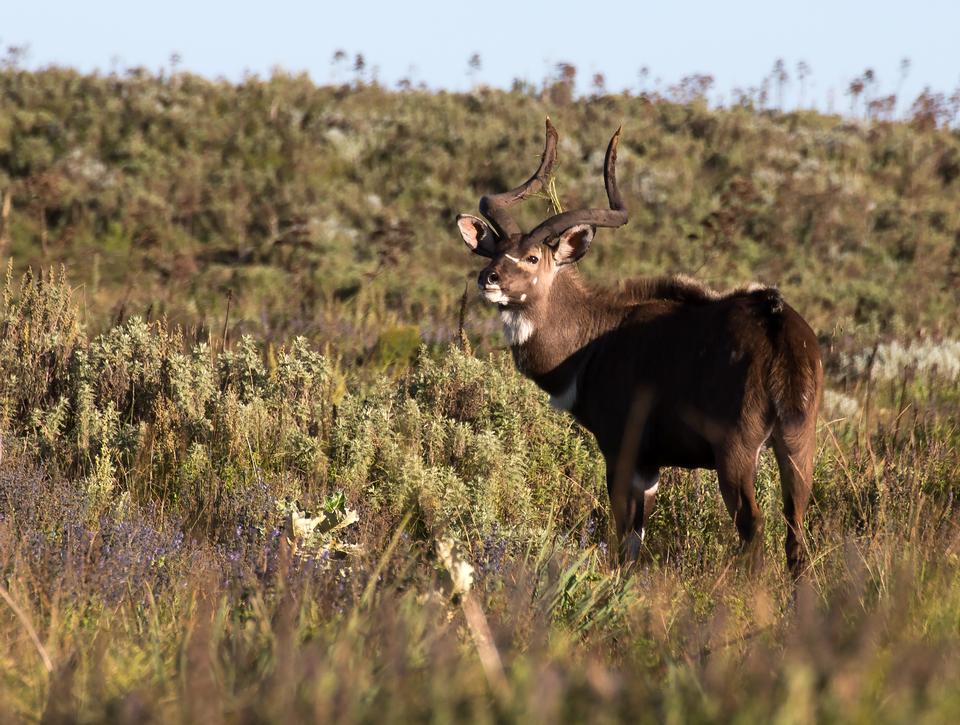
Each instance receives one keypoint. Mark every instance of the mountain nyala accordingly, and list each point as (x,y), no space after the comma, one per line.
(663,371)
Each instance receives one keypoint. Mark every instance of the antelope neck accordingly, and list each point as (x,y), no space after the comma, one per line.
(561,326)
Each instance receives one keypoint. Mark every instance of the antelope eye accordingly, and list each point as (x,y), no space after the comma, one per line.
(532,259)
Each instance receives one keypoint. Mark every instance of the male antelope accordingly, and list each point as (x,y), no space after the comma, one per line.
(664,372)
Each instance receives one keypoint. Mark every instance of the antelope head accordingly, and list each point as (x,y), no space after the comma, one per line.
(522,264)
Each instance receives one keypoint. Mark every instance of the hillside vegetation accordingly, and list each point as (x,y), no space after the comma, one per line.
(329,211)
(250,470)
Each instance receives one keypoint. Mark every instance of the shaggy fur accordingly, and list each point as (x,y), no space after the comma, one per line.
(663,371)
(666,371)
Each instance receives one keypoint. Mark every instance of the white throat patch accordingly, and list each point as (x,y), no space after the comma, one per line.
(517,328)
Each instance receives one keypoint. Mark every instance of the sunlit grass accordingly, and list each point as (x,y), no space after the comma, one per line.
(158,563)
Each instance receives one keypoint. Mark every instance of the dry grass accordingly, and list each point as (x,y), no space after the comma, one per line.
(148,573)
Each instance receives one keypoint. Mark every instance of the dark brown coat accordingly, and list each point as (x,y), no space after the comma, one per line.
(664,371)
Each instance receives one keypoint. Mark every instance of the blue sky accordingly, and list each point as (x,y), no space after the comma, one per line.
(430,42)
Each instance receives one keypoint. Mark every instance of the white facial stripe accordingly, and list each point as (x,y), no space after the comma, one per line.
(515,260)
(523,297)
(517,328)
(535,280)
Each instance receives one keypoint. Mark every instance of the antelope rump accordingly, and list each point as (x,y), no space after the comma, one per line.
(663,371)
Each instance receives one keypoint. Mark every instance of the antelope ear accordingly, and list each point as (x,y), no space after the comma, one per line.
(573,243)
(477,234)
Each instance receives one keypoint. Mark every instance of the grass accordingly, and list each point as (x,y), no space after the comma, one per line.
(151,572)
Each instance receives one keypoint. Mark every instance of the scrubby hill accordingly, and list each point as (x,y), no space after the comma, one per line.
(328,211)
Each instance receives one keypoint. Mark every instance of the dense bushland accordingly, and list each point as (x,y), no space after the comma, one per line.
(153,566)
(325,505)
